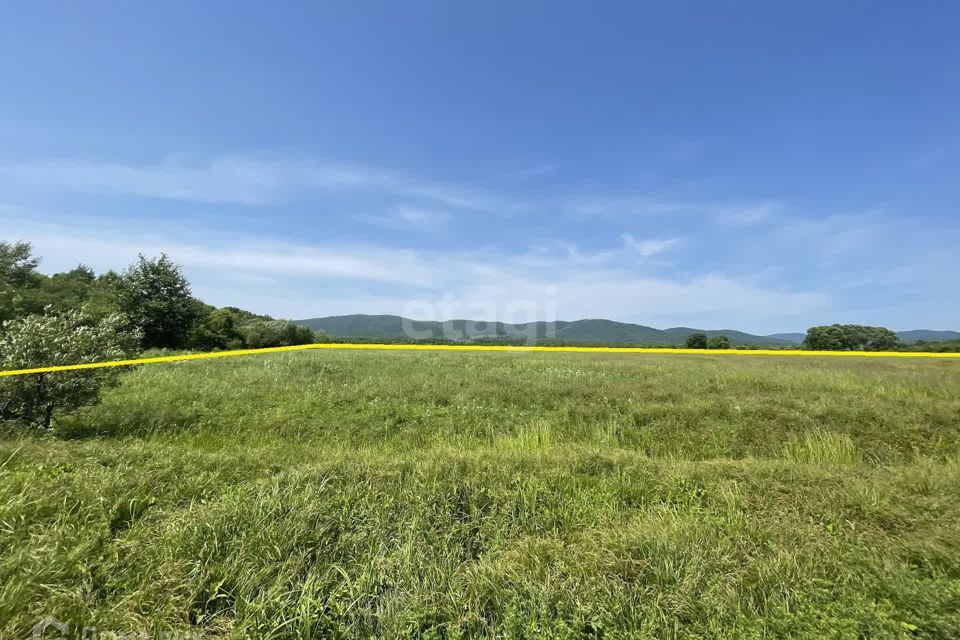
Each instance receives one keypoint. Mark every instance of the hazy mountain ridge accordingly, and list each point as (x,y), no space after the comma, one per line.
(927,335)
(794,337)
(591,330)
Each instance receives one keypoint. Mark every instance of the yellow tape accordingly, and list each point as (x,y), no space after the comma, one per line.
(476,347)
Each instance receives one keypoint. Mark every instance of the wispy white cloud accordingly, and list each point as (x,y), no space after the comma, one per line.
(576,256)
(268,179)
(530,172)
(263,179)
(410,217)
(225,179)
(657,300)
(648,248)
(748,214)
(546,255)
(835,235)
(728,213)
(227,256)
(250,180)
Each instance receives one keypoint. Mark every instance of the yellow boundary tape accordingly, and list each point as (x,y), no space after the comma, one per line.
(476,347)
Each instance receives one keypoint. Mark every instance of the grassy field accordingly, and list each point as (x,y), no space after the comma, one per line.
(448,495)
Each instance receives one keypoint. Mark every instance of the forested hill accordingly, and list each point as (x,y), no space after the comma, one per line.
(592,331)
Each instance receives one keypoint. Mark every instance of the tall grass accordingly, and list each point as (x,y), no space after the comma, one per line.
(823,448)
(347,495)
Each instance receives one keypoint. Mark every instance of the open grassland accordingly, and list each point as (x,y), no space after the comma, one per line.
(448,495)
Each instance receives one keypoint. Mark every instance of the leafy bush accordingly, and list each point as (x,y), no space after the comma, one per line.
(850,337)
(718,342)
(275,333)
(72,337)
(218,329)
(945,346)
(697,341)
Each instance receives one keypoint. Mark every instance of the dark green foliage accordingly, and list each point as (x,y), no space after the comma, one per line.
(697,341)
(850,337)
(25,291)
(718,342)
(80,288)
(232,328)
(947,346)
(18,278)
(217,329)
(243,316)
(69,290)
(275,333)
(156,299)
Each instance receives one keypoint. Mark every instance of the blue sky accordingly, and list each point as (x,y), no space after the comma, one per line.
(763,166)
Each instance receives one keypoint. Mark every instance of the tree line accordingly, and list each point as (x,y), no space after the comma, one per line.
(699,340)
(78,317)
(152,295)
(835,337)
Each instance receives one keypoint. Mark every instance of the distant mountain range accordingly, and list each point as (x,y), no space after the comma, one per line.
(793,338)
(927,335)
(594,331)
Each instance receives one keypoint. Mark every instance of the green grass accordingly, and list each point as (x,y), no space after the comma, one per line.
(448,495)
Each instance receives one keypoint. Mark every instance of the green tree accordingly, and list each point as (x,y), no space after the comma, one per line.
(18,279)
(881,339)
(216,330)
(850,337)
(697,341)
(69,290)
(78,288)
(824,338)
(275,333)
(71,337)
(718,342)
(156,298)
